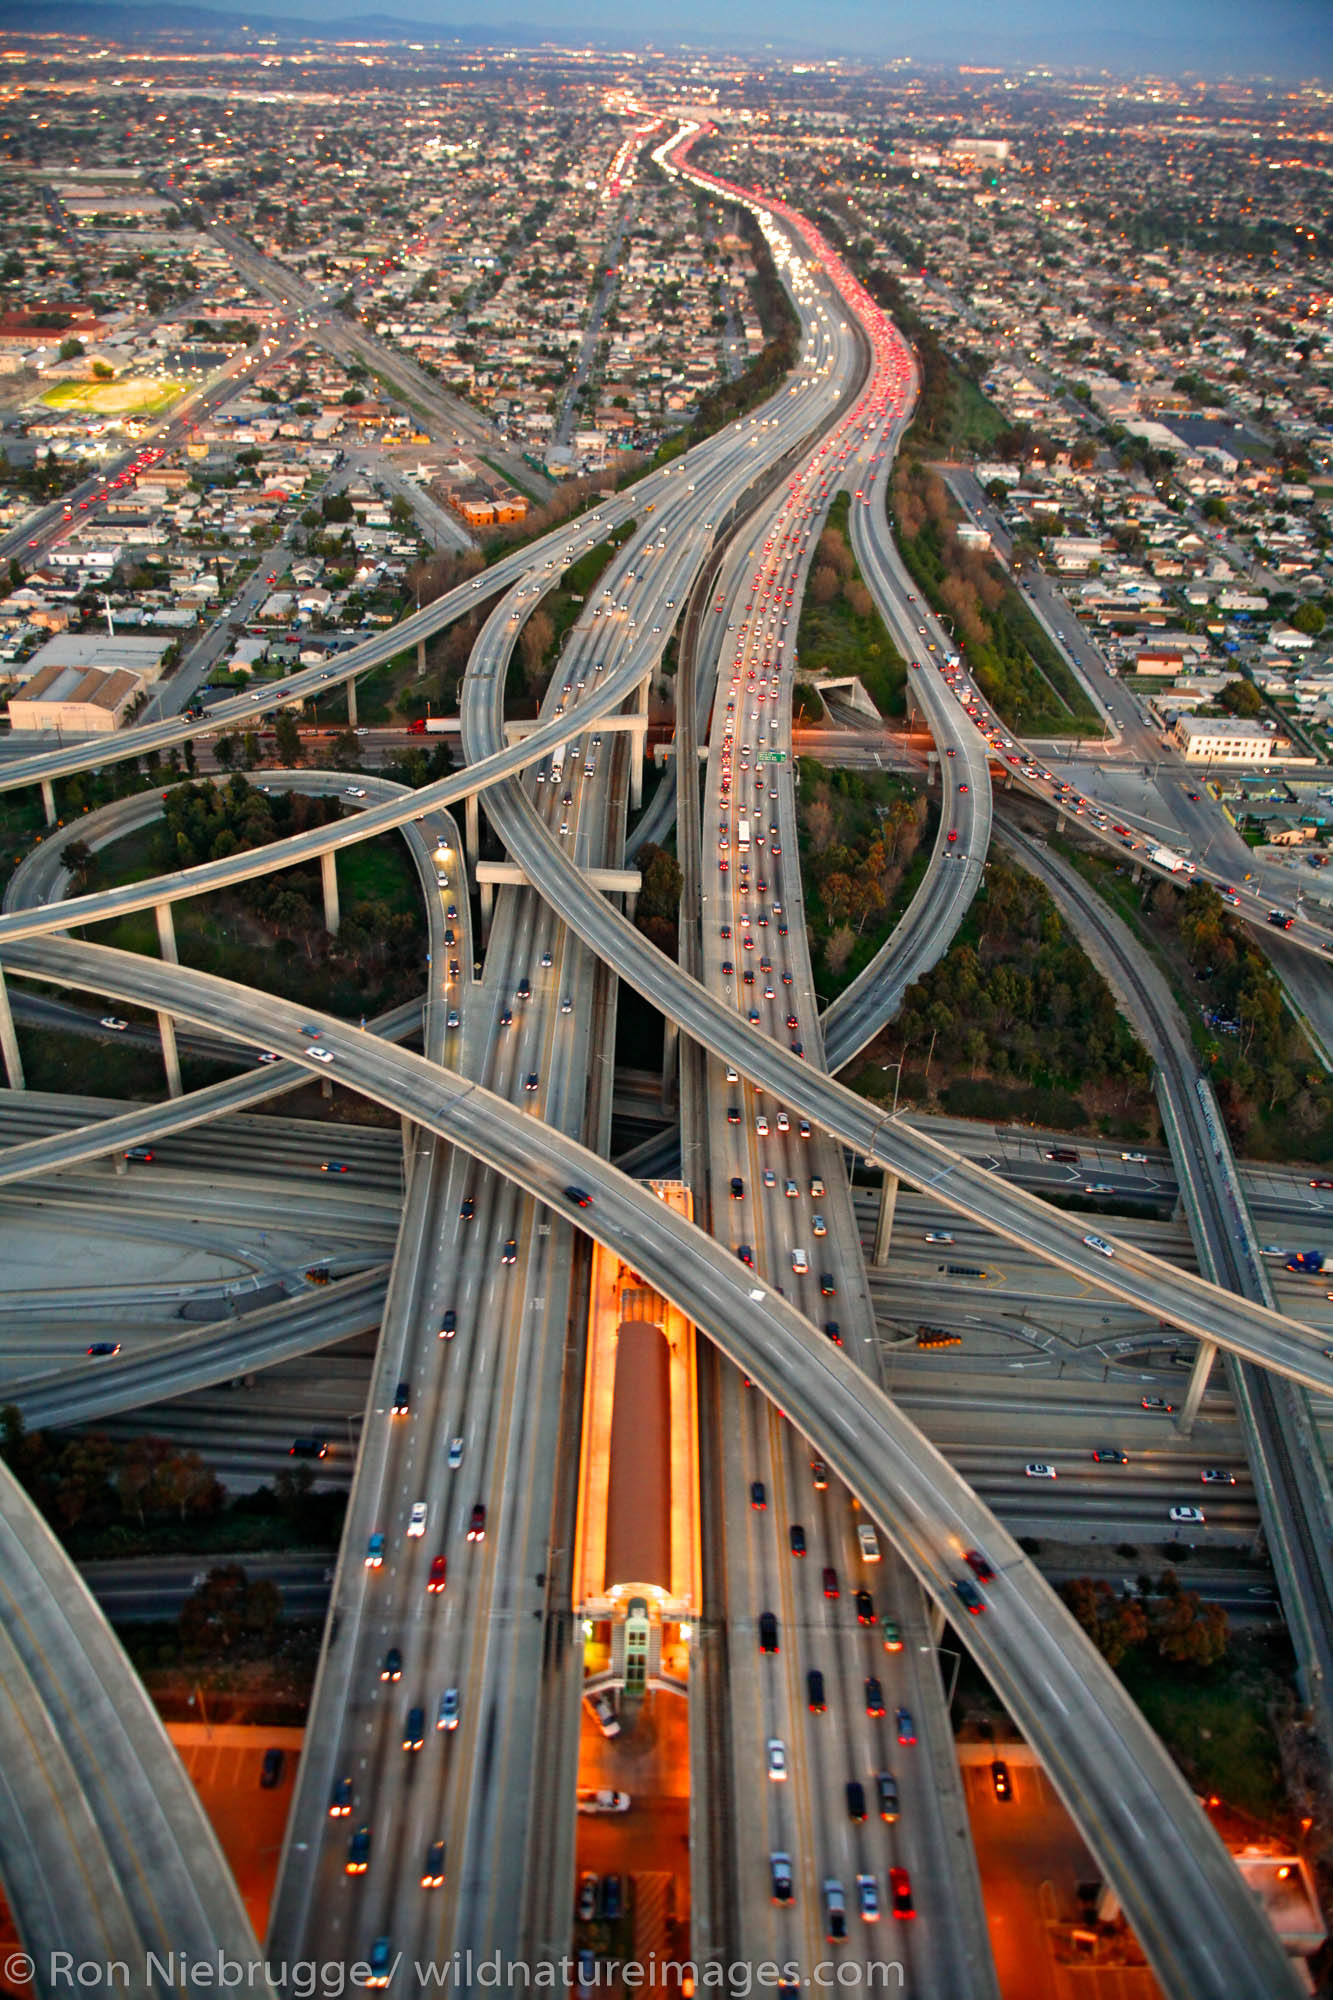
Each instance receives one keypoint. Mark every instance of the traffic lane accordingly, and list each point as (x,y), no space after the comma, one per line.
(1131,1801)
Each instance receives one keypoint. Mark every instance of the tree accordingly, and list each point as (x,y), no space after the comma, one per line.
(1113,1623)
(79,860)
(824,584)
(346,752)
(1240,697)
(71,349)
(535,642)
(227,1610)
(288,738)
(839,949)
(1308,618)
(224,750)
(1183,1628)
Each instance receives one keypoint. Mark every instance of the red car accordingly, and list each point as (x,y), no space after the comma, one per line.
(900,1889)
(435,1581)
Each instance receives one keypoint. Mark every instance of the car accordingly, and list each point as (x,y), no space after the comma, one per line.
(100,1348)
(355,792)
(814,1691)
(1217,1475)
(874,1696)
(416,1525)
(962,788)
(758,1497)
(856,1801)
(340,1801)
(800,1263)
(375,1552)
(827,1287)
(819,1474)
(781,1877)
(830,1579)
(438,1572)
(733,1114)
(613,1897)
(979,1565)
(447,1716)
(867,1897)
(579,1196)
(448,1323)
(816,1187)
(1156,1403)
(900,1893)
(737,1188)
(602,1800)
(380,1962)
(999,1777)
(432,1868)
(509,1254)
(455,1453)
(796,1535)
(507,1018)
(906,1726)
(770,1178)
(777,1759)
(893,1638)
(468,1209)
(414,1729)
(746,1254)
(546,958)
(585,1902)
(768,1632)
(939,1236)
(886,1791)
(316,1050)
(761,1126)
(476,1527)
(1192,1517)
(267,1056)
(566,1005)
(358,1851)
(143,1153)
(835,1912)
(953,835)
(1100,1245)
(118,1027)
(334,1167)
(969,1596)
(790,1189)
(865,1608)
(1110,1454)
(402,1399)
(272,1768)
(392,1670)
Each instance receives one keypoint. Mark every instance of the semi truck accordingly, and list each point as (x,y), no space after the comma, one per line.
(1166,857)
(428,725)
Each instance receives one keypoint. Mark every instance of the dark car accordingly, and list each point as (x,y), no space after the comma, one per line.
(468,1210)
(781,1874)
(272,1768)
(970,1596)
(1110,1454)
(340,1804)
(737,1188)
(978,1565)
(432,1871)
(402,1399)
(414,1729)
(886,1791)
(146,1153)
(830,1581)
(768,1632)
(358,1852)
(865,1608)
(797,1533)
(307,1448)
(758,1497)
(105,1347)
(509,1254)
(476,1529)
(449,1324)
(999,1777)
(819,1474)
(334,1167)
(826,1284)
(613,1900)
(814,1691)
(531,1080)
(746,1254)
(833,1331)
(392,1670)
(906,1726)
(874,1695)
(579,1196)
(856,1800)
(733,1114)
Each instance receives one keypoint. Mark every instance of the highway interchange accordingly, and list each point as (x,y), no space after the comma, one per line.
(470,1091)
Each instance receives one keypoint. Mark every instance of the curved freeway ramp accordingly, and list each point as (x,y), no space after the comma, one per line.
(107,1852)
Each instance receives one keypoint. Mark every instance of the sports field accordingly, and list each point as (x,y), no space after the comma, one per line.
(135,395)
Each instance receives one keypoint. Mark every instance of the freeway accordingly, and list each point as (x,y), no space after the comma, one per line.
(1177,1883)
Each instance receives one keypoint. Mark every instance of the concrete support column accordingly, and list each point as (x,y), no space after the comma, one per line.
(1202,1369)
(932,766)
(328,869)
(49,801)
(9,1043)
(472,827)
(166,933)
(888,1201)
(486,890)
(421,659)
(171,1061)
(631,903)
(636,770)
(670,1046)
(351,704)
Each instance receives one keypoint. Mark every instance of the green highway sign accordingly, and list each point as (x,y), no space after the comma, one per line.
(772,756)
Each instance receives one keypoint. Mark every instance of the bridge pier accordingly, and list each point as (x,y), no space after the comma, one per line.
(9,1042)
(1202,1369)
(888,1201)
(486,893)
(351,704)
(166,933)
(631,903)
(932,767)
(49,801)
(670,1047)
(640,739)
(328,871)
(472,826)
(171,1061)
(421,659)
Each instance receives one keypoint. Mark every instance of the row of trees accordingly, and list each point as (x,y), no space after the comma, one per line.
(858,836)
(1165,1620)
(101,1480)
(841,631)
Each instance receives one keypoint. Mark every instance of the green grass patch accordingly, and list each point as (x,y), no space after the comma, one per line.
(135,396)
(1216,1722)
(380,871)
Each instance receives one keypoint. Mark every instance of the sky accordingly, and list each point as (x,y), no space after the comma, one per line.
(1233,37)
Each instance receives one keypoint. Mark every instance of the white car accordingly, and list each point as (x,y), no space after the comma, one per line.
(777,1759)
(800,1263)
(417,1524)
(1036,1470)
(1187,1516)
(939,1236)
(320,1054)
(356,791)
(1100,1245)
(117,1026)
(455,1453)
(603,1801)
